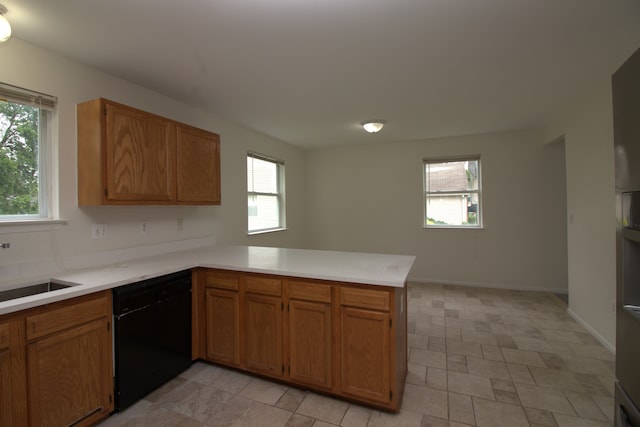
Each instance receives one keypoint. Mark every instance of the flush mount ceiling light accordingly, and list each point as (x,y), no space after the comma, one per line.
(5,27)
(373,126)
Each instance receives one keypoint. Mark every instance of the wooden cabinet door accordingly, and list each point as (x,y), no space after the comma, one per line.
(310,349)
(222,326)
(70,376)
(140,155)
(198,166)
(5,377)
(365,365)
(262,333)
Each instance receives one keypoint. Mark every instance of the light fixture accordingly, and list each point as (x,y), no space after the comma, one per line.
(373,126)
(5,27)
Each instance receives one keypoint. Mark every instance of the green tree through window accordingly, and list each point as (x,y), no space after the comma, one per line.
(19,143)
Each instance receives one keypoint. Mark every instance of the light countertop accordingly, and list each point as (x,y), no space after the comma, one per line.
(352,267)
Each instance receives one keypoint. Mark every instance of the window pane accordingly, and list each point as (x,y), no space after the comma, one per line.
(452,209)
(262,176)
(19,174)
(264,212)
(451,176)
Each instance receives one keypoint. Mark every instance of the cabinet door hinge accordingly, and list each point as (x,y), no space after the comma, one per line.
(390,322)
(104,110)
(106,192)
(108,326)
(282,306)
(390,394)
(283,368)
(110,398)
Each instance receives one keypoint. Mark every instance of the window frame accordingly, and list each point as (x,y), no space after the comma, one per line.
(47,108)
(280,193)
(426,193)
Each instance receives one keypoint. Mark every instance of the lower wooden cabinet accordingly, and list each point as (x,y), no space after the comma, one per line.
(262,334)
(69,375)
(338,338)
(59,359)
(6,413)
(222,329)
(310,334)
(365,366)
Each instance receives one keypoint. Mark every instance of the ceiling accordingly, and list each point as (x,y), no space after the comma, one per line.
(309,71)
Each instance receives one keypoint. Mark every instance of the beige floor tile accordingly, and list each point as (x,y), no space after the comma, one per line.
(203,373)
(356,416)
(520,374)
(492,414)
(585,406)
(259,414)
(533,344)
(479,337)
(540,417)
(547,399)
(323,408)
(586,365)
(565,380)
(232,381)
(461,409)
(263,391)
(470,385)
(416,374)
(299,420)
(606,405)
(429,421)
(425,400)
(289,402)
(522,357)
(464,348)
(418,341)
(436,359)
(488,368)
(569,421)
(405,418)
(491,352)
(436,378)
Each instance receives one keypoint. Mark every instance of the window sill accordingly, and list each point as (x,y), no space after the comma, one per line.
(272,230)
(30,225)
(451,227)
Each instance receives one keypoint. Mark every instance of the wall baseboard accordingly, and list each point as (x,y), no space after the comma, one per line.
(486,285)
(592,331)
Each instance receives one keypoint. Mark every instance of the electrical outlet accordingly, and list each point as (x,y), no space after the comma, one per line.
(143,227)
(179,224)
(99,231)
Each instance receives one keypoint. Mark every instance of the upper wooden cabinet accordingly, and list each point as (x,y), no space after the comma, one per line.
(130,157)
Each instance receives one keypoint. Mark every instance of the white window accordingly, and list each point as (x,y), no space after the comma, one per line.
(265,190)
(452,193)
(25,144)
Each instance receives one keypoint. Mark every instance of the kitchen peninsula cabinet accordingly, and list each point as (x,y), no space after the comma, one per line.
(61,363)
(345,339)
(6,400)
(130,157)
(222,317)
(310,333)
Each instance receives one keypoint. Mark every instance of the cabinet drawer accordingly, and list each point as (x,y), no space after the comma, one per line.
(310,291)
(263,285)
(365,298)
(4,336)
(222,280)
(58,319)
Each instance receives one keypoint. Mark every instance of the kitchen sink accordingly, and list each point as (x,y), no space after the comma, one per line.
(30,290)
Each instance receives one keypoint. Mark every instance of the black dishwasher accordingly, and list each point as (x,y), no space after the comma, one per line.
(152,335)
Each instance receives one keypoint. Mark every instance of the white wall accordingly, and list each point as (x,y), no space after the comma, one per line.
(369,198)
(588,136)
(38,252)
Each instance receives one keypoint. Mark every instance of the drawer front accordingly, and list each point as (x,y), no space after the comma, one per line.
(263,285)
(309,291)
(4,336)
(58,319)
(222,280)
(365,298)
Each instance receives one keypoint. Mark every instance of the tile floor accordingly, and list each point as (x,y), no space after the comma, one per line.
(478,357)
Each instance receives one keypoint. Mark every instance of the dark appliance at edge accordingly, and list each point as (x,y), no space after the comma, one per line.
(152,335)
(626,129)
